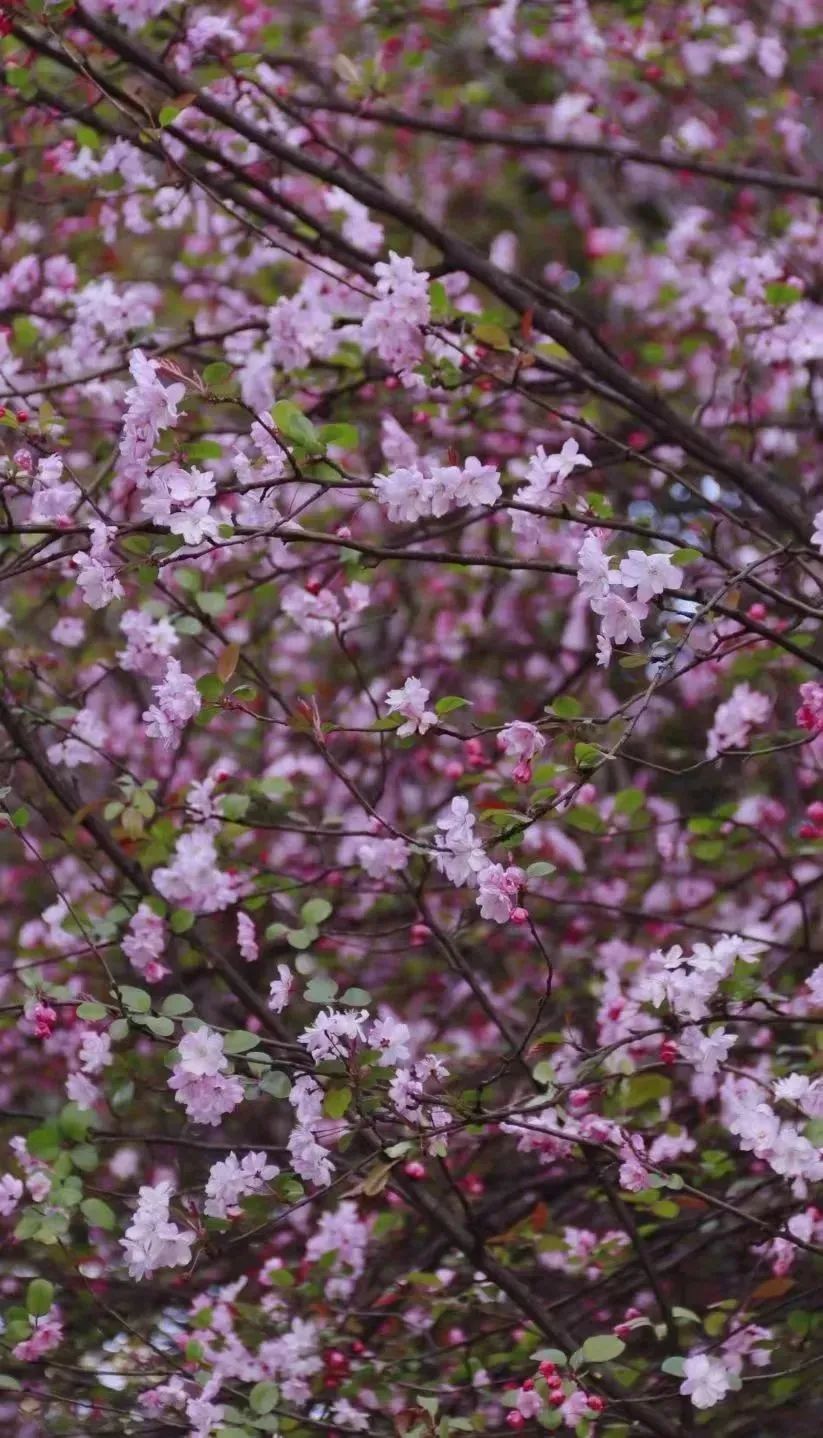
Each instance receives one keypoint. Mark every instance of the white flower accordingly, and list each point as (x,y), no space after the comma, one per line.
(705,1380)
(411,701)
(593,573)
(649,574)
(201,1053)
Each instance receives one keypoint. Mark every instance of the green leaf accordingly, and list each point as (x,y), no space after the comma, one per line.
(315,911)
(602,1348)
(161,1027)
(628,801)
(550,1355)
(685,556)
(295,426)
(39,1297)
(181,921)
(234,806)
(320,991)
(263,1397)
(85,1157)
(75,1122)
(276,1083)
(239,1041)
(336,1102)
(91,1011)
(213,602)
(782,294)
(586,756)
(176,1005)
(493,336)
(344,435)
(673,1365)
(450,702)
(439,300)
(98,1214)
(301,938)
(204,449)
(356,998)
(136,1000)
(585,817)
(643,1089)
(566,707)
(217,373)
(540,870)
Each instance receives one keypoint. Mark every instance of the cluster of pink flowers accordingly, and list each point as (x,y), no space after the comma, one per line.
(199,1080)
(152,1241)
(427,489)
(176,702)
(621,616)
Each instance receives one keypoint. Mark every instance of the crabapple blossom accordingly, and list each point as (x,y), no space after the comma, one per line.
(177,701)
(705,1380)
(410,701)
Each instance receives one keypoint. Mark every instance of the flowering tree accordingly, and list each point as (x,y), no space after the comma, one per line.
(411,718)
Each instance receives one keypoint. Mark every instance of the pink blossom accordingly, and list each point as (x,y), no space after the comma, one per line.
(735,719)
(281,989)
(176,702)
(498,888)
(705,1380)
(247,938)
(411,701)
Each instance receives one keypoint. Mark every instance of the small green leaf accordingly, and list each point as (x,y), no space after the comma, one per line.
(585,817)
(685,556)
(137,1001)
(320,991)
(628,801)
(295,426)
(336,1102)
(493,336)
(673,1365)
(234,806)
(217,373)
(566,707)
(98,1214)
(781,294)
(586,756)
(602,1348)
(315,911)
(204,449)
(450,702)
(356,998)
(239,1041)
(39,1297)
(91,1011)
(181,921)
(213,602)
(175,1005)
(263,1397)
(161,1027)
(344,435)
(301,938)
(276,1083)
